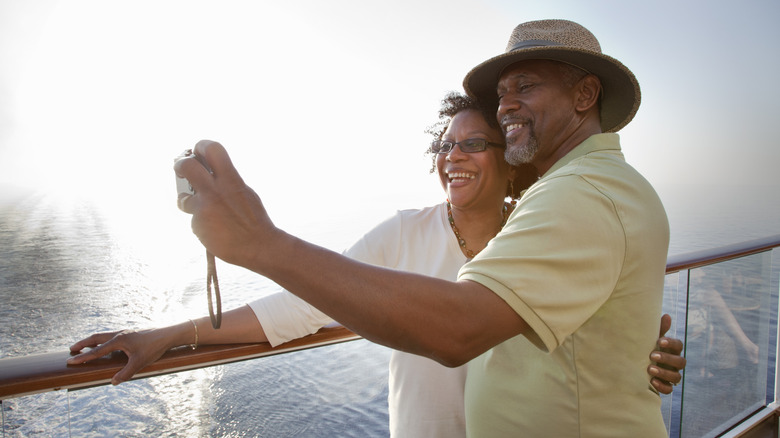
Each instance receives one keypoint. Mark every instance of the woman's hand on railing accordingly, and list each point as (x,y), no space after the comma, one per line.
(667,361)
(142,348)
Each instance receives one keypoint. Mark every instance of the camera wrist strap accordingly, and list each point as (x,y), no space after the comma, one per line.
(211,279)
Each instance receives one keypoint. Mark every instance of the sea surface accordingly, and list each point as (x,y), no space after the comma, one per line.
(71,266)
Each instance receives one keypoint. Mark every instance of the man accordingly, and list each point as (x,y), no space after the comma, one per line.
(580,261)
(601,225)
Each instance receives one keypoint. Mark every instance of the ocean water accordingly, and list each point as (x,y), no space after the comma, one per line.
(71,266)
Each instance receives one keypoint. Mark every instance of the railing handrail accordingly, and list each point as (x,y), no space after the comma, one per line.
(696,259)
(20,376)
(26,375)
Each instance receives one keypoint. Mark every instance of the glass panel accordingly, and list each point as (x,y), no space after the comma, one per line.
(43,414)
(337,390)
(334,391)
(774,286)
(727,343)
(675,305)
(726,312)
(165,405)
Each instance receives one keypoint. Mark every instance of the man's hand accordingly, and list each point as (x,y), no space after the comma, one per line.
(227,216)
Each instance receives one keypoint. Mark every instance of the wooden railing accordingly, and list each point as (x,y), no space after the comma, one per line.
(697,259)
(20,376)
(47,372)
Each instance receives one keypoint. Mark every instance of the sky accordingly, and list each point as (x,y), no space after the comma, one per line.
(323,105)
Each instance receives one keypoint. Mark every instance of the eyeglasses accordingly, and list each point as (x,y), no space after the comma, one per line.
(468,146)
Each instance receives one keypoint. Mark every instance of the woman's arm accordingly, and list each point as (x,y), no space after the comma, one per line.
(143,347)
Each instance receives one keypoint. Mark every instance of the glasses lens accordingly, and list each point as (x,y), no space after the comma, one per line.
(441,146)
(473,145)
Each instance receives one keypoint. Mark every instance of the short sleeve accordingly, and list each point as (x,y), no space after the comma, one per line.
(557,259)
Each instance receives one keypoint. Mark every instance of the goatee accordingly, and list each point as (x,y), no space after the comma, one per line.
(517,154)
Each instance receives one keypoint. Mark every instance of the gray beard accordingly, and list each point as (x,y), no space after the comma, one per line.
(522,154)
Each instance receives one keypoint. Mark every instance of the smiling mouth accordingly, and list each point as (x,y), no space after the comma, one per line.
(460,176)
(513,126)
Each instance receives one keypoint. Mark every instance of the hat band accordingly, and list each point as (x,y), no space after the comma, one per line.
(527,44)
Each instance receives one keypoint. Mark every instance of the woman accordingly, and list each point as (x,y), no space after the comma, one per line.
(425,398)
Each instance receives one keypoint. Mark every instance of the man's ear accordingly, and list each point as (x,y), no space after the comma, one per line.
(589,89)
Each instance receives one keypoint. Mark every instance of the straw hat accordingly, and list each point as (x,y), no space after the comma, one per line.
(569,42)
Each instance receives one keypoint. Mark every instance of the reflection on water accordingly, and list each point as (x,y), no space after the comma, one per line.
(69,268)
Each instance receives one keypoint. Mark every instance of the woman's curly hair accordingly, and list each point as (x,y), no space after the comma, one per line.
(452,104)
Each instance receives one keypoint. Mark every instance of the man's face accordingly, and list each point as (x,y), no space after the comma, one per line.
(536,110)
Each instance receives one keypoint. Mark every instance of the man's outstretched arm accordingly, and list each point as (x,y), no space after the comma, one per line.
(450,322)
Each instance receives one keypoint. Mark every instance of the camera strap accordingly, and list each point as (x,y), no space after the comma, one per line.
(211,280)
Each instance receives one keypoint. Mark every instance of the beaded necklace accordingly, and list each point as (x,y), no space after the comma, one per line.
(469,253)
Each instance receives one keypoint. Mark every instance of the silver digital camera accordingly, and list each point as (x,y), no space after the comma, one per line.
(183,186)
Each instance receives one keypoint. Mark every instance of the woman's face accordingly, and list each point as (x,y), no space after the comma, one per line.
(477,179)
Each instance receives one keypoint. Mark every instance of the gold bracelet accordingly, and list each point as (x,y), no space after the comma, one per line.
(195,345)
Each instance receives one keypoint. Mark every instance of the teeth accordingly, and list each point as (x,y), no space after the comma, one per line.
(459,175)
(514,126)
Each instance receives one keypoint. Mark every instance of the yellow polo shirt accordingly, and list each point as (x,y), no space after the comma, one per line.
(582,261)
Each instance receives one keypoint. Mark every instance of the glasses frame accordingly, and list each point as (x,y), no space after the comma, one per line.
(441,145)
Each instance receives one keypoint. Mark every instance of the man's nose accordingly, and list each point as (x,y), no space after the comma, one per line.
(506,105)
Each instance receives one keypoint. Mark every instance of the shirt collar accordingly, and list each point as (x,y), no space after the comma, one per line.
(596,142)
